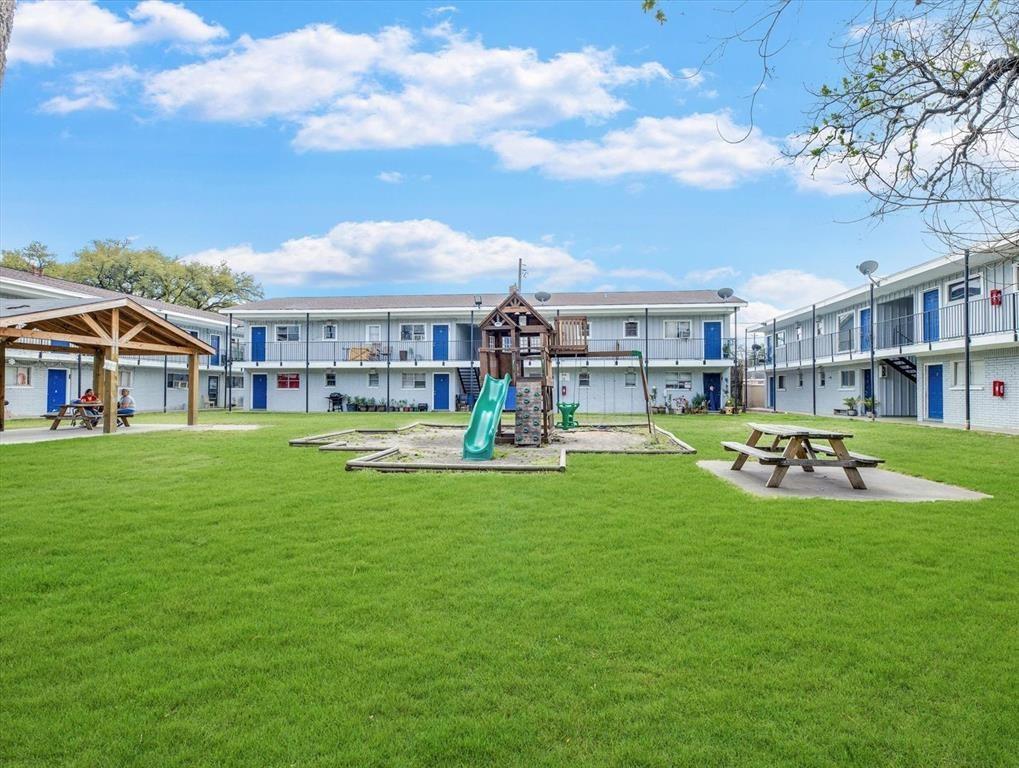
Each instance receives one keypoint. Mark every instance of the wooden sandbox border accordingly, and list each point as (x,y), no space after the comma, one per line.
(377,455)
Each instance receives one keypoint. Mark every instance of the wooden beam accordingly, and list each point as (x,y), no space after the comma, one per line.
(34,333)
(192,389)
(110,392)
(162,349)
(98,329)
(70,350)
(52,314)
(134,332)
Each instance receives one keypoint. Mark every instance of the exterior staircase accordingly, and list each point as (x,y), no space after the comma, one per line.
(469,383)
(903,365)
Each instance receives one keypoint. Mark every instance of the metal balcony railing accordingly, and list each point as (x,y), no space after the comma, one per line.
(896,335)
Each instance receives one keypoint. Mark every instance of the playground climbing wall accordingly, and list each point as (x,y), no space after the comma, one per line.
(529,412)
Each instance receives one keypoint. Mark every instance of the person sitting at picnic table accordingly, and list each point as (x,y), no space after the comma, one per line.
(125,406)
(91,413)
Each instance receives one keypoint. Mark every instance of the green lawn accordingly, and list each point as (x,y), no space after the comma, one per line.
(191,599)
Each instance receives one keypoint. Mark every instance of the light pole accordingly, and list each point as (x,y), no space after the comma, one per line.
(867,269)
(724,294)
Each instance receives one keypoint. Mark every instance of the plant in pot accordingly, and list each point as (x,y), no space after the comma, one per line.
(850,403)
(362,405)
(698,402)
(350,403)
(730,405)
(404,406)
(871,405)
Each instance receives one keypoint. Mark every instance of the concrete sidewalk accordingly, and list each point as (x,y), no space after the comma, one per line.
(46,435)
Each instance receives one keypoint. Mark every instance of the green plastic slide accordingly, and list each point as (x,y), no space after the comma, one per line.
(479,439)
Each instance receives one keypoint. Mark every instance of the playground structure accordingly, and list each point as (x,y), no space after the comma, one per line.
(518,346)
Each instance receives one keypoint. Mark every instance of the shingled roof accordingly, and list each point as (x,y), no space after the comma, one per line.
(488,300)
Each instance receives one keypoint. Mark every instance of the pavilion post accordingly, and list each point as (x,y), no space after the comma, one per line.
(192,389)
(111,377)
(98,358)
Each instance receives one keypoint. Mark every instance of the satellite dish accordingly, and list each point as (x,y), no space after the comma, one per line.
(724,293)
(868,267)
(543,296)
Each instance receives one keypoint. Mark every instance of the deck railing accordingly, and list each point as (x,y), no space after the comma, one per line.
(897,335)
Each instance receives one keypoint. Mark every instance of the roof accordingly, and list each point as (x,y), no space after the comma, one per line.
(467,301)
(118,323)
(82,290)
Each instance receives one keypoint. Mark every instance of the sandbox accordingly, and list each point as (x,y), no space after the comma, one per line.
(436,447)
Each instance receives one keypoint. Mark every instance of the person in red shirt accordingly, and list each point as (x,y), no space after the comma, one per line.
(91,413)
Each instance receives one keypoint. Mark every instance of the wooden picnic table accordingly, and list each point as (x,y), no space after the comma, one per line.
(801,450)
(77,411)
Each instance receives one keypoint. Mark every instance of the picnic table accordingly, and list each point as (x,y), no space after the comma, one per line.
(87,412)
(801,450)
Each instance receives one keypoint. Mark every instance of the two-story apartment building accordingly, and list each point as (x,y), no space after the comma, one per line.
(814,357)
(422,350)
(38,382)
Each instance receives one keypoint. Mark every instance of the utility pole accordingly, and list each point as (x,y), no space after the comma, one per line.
(965,330)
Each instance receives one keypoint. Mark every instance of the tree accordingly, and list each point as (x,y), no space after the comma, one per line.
(148,273)
(6,25)
(34,257)
(925,115)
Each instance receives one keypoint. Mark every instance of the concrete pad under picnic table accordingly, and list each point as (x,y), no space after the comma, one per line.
(831,483)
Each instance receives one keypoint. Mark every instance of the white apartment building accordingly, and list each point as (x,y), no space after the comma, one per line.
(817,356)
(421,350)
(38,382)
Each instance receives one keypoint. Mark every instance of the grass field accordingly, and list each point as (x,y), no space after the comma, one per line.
(191,599)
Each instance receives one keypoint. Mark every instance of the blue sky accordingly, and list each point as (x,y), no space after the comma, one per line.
(412,147)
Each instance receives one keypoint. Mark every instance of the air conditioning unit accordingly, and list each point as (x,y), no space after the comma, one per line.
(882,371)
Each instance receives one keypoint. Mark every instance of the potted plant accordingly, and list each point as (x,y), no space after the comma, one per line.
(362,405)
(422,406)
(404,406)
(698,404)
(850,403)
(730,406)
(871,405)
(350,403)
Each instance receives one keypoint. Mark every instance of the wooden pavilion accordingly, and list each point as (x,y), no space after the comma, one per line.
(103,329)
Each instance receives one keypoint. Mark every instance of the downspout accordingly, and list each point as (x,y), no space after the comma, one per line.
(965,329)
(389,354)
(774,368)
(307,362)
(229,362)
(166,369)
(813,357)
(746,370)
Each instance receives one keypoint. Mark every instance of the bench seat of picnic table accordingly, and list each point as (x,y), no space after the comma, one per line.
(763,455)
(862,458)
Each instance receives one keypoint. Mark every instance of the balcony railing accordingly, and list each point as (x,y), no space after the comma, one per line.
(898,335)
(437,350)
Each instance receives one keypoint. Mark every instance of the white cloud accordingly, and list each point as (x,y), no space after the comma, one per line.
(709,276)
(401,252)
(94,89)
(442,9)
(790,288)
(689,149)
(391,177)
(43,29)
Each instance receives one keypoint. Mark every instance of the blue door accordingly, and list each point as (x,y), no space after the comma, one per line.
(865,330)
(931,324)
(56,389)
(511,399)
(440,343)
(214,339)
(440,392)
(713,390)
(771,391)
(259,390)
(257,343)
(935,393)
(868,383)
(712,341)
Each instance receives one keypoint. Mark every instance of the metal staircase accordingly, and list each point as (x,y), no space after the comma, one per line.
(469,383)
(903,365)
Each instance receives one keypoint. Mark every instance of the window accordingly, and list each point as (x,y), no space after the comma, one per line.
(957,290)
(584,379)
(679,381)
(193,332)
(412,332)
(799,332)
(373,333)
(176,381)
(329,332)
(288,381)
(373,379)
(126,377)
(630,380)
(235,382)
(330,379)
(846,332)
(781,381)
(819,327)
(22,376)
(414,381)
(976,374)
(847,379)
(677,329)
(288,333)
(822,378)
(779,338)
(799,379)
(631,329)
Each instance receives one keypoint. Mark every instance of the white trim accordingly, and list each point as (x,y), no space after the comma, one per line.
(336,331)
(449,331)
(251,333)
(687,320)
(275,332)
(412,340)
(838,330)
(240,313)
(948,289)
(300,382)
(627,320)
(368,380)
(367,333)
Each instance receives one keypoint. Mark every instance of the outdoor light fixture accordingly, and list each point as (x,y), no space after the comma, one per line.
(477,301)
